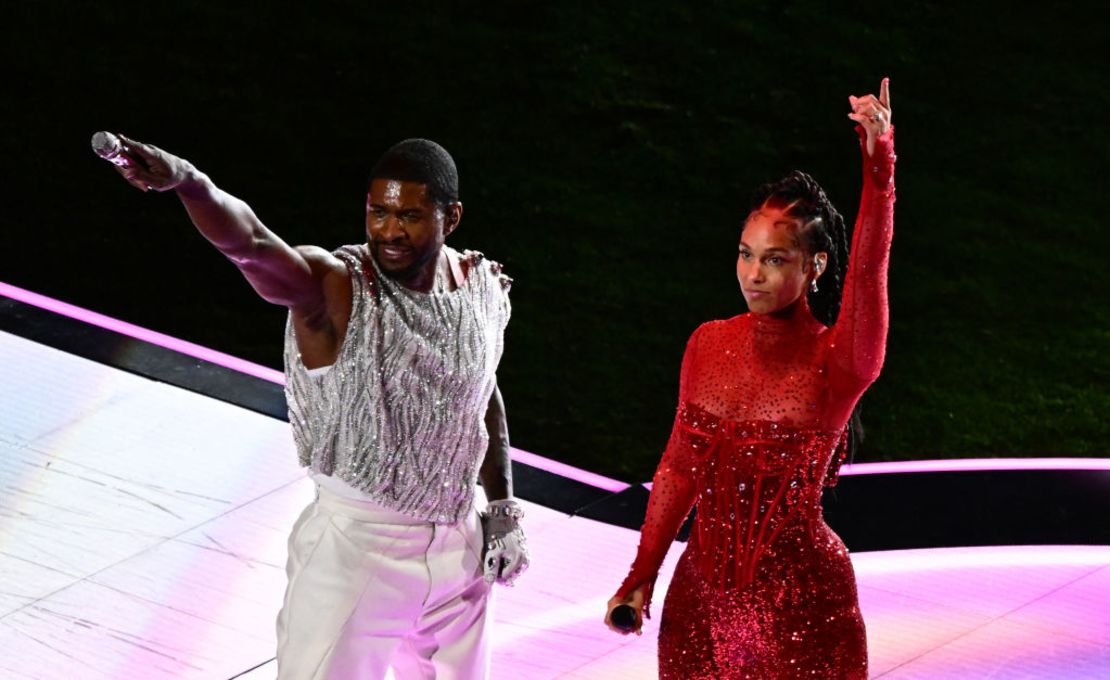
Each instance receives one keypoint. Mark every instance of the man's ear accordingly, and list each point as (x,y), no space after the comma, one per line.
(451,217)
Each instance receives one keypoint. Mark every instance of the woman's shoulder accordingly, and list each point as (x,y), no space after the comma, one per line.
(716,331)
(715,326)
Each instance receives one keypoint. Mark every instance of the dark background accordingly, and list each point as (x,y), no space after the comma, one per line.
(607,152)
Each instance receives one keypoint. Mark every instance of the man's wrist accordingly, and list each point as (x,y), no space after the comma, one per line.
(505,507)
(194,184)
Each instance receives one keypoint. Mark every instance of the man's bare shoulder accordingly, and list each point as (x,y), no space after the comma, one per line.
(332,311)
(321,261)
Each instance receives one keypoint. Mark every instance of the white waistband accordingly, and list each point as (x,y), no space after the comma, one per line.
(364,510)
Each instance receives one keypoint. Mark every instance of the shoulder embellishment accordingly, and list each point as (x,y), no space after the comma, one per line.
(474,257)
(505,281)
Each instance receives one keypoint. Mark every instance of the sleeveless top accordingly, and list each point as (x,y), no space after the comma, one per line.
(400,415)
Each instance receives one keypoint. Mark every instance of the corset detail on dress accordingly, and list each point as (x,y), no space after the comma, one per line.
(754,479)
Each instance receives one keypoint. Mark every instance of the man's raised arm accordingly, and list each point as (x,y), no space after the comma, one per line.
(281,274)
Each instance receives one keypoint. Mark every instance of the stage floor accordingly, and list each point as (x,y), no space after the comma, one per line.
(143,528)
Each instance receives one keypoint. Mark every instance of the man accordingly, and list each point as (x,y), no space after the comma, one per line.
(390,360)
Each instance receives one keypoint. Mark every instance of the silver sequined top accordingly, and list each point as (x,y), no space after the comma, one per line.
(400,415)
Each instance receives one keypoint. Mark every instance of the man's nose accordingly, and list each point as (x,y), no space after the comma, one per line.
(391,228)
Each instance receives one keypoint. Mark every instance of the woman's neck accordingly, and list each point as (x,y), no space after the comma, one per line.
(796,314)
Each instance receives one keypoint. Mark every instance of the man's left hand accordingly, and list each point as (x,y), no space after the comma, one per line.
(505,550)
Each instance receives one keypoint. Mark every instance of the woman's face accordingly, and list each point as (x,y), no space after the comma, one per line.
(773,268)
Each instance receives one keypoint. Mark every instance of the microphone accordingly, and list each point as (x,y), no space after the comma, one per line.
(624,617)
(108,146)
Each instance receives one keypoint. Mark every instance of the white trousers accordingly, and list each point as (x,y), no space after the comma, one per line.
(370,588)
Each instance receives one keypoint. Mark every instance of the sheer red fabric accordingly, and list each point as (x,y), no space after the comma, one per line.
(765,588)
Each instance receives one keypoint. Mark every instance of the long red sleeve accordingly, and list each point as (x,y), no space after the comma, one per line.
(858,342)
(672,492)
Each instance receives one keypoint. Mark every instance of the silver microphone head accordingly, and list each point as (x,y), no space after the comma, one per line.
(107,146)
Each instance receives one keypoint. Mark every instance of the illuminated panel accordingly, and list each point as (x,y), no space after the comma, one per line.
(127,564)
(568,471)
(140,333)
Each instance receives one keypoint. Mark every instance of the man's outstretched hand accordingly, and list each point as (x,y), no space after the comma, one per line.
(146,167)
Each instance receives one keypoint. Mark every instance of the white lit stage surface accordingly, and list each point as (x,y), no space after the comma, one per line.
(143,529)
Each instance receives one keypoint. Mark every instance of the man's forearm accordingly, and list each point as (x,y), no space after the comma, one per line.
(276,271)
(496,473)
(226,221)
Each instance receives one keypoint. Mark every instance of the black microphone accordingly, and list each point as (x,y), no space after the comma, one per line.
(624,617)
(108,146)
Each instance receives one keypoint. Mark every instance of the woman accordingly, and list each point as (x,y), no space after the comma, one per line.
(765,589)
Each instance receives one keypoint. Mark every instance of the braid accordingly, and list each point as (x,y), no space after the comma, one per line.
(823,231)
(825,303)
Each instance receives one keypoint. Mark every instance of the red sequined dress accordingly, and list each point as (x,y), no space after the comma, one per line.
(765,588)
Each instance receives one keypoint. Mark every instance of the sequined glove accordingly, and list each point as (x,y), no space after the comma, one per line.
(506,552)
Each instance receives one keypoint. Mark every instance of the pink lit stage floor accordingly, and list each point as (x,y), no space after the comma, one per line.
(143,527)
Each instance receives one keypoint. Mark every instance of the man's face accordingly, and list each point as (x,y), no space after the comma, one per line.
(404,228)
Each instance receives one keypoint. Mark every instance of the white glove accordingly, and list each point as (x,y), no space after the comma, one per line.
(506,552)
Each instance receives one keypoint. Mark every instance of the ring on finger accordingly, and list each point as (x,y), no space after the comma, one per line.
(876,117)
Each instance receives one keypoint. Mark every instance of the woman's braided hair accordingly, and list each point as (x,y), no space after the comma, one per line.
(799,196)
(822,231)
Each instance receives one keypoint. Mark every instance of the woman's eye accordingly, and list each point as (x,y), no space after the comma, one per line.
(774,260)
